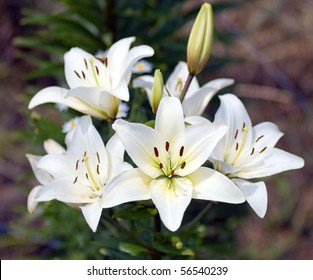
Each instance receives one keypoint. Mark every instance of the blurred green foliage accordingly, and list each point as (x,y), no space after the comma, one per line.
(132,230)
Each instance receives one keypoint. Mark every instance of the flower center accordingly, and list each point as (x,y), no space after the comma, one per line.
(90,173)
(168,167)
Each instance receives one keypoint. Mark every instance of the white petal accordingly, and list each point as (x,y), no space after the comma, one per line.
(256,195)
(139,141)
(53,147)
(42,176)
(116,152)
(66,191)
(130,186)
(196,103)
(116,56)
(134,55)
(170,118)
(209,184)
(199,142)
(197,120)
(78,70)
(92,213)
(179,75)
(56,165)
(171,198)
(121,91)
(270,134)
(31,202)
(233,114)
(57,95)
(276,161)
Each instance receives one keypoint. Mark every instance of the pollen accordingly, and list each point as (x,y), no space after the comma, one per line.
(156,151)
(183,165)
(167,146)
(181,151)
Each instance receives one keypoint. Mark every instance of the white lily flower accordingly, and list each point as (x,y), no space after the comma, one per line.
(80,175)
(169,159)
(197,98)
(247,152)
(96,87)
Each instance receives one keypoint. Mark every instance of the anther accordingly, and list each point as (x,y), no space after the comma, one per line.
(252,152)
(86,65)
(167,146)
(97,69)
(236,134)
(87,176)
(161,165)
(98,169)
(84,76)
(105,61)
(183,165)
(98,156)
(237,146)
(75,180)
(181,151)
(156,152)
(259,138)
(77,164)
(77,74)
(263,150)
(243,126)
(172,173)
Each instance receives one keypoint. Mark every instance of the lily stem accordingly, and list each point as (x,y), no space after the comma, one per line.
(123,229)
(186,87)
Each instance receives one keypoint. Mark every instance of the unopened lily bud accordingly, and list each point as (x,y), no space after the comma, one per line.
(200,40)
(157,90)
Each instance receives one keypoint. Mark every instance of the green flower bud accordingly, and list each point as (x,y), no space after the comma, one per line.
(200,40)
(157,90)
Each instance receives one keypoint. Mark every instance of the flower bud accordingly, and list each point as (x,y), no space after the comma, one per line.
(157,90)
(200,40)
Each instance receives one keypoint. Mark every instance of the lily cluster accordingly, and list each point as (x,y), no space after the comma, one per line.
(184,156)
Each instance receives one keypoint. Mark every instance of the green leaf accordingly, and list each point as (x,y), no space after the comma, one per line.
(131,249)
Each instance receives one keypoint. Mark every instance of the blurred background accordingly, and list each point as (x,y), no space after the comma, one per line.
(266,46)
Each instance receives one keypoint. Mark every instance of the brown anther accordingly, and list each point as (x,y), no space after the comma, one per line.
(98,169)
(97,69)
(77,74)
(77,164)
(183,165)
(105,61)
(156,151)
(87,176)
(167,146)
(86,65)
(259,138)
(181,151)
(243,126)
(98,156)
(84,76)
(75,180)
(236,134)
(161,165)
(237,146)
(263,150)
(172,173)
(252,152)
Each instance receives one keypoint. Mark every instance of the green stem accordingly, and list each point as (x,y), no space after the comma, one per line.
(121,228)
(186,87)
(197,218)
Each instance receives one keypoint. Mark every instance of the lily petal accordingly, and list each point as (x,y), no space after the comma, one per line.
(145,82)
(170,118)
(132,185)
(55,164)
(53,147)
(209,184)
(66,191)
(171,198)
(42,176)
(92,213)
(256,195)
(31,202)
(141,152)
(199,142)
(275,162)
(269,133)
